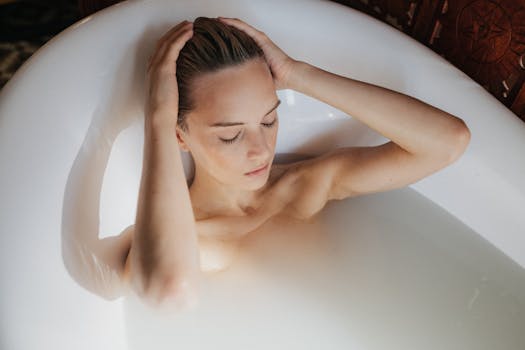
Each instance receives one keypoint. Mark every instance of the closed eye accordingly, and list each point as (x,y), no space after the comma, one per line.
(229,140)
(267,125)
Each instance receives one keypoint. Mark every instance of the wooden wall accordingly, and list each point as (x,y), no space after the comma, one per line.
(485,39)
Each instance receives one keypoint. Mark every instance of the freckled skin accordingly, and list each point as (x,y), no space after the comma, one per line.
(220,191)
(235,94)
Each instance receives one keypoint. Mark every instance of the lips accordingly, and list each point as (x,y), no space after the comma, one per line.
(255,170)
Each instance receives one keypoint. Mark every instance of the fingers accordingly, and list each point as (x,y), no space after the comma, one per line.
(240,25)
(170,44)
(173,30)
(163,38)
(172,34)
(174,45)
(177,33)
(257,35)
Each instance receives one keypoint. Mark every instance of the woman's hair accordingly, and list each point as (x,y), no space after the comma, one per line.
(213,46)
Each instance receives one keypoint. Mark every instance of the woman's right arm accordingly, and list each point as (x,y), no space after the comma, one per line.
(163,261)
(163,258)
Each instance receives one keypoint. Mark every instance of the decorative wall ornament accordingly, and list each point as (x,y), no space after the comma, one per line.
(483,38)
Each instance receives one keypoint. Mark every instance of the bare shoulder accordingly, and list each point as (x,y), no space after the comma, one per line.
(287,170)
(291,183)
(353,171)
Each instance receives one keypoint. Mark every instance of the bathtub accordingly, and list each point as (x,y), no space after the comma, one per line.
(438,264)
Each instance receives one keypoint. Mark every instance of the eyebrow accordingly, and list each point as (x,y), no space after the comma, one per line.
(223,124)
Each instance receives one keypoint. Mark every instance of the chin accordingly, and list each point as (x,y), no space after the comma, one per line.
(256,183)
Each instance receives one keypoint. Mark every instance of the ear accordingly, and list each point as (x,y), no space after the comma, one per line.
(180,139)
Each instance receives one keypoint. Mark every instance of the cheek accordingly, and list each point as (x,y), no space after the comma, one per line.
(228,158)
(273,138)
(275,135)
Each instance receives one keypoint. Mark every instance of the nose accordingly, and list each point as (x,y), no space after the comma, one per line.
(258,147)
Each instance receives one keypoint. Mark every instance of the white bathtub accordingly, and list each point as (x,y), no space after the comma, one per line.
(436,265)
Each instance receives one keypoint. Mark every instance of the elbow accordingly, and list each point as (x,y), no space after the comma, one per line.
(87,272)
(110,295)
(181,293)
(171,291)
(463,137)
(460,139)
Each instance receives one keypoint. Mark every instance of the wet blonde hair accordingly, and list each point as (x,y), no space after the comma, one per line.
(213,46)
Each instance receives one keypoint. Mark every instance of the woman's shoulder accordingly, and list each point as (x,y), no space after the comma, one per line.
(290,167)
(293,187)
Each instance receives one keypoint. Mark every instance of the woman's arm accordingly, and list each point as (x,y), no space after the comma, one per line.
(424,139)
(164,255)
(417,127)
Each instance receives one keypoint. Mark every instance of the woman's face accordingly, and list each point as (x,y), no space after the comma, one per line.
(233,129)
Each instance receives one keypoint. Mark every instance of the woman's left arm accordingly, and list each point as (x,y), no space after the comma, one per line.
(417,127)
(424,139)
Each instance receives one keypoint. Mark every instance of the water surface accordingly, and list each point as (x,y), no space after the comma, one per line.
(388,270)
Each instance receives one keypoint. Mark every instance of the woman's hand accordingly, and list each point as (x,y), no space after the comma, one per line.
(162,94)
(281,65)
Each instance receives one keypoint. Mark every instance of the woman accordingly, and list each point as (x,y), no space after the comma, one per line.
(212,93)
